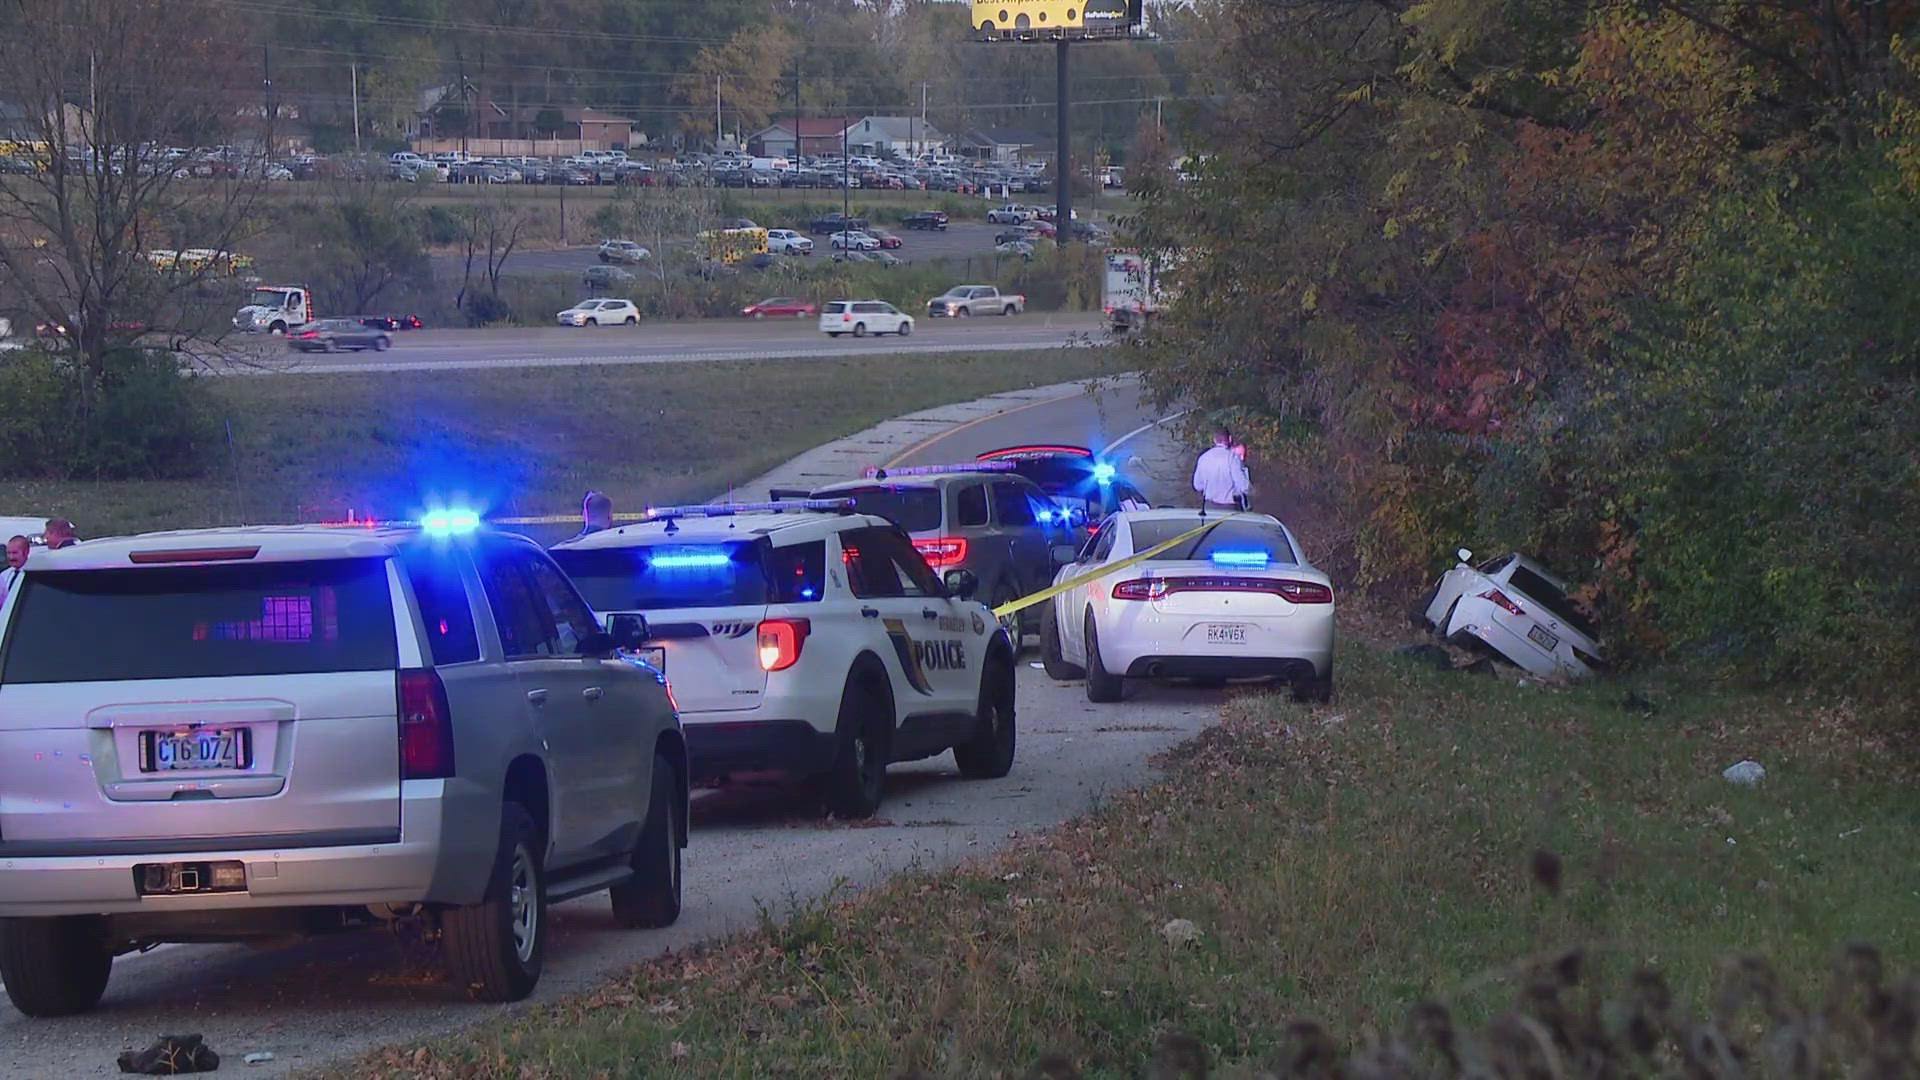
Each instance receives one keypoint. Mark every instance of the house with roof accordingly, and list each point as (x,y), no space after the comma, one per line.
(1003,145)
(897,136)
(817,135)
(445,116)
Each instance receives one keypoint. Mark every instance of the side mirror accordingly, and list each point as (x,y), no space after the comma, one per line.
(628,631)
(1465,555)
(1065,555)
(961,584)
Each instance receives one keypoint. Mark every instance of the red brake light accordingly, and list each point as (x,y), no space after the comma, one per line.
(780,641)
(1141,589)
(943,551)
(233,554)
(426,726)
(1299,592)
(1500,599)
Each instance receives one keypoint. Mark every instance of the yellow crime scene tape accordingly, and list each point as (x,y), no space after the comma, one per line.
(1052,591)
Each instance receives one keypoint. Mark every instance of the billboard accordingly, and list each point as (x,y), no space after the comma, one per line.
(1052,20)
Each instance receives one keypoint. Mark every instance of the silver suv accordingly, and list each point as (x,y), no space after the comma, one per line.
(234,734)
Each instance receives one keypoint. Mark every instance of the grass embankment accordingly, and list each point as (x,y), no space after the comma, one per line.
(529,441)
(1340,863)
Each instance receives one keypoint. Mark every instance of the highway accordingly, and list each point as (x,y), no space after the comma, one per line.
(961,240)
(753,846)
(658,343)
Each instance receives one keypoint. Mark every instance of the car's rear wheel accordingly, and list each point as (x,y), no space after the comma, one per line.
(382,343)
(833,333)
(633,320)
(496,947)
(1103,687)
(1008,310)
(1317,690)
(859,329)
(1051,660)
(651,898)
(54,967)
(906,329)
(854,782)
(989,756)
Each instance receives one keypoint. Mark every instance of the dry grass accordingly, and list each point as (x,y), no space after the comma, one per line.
(529,441)
(1451,840)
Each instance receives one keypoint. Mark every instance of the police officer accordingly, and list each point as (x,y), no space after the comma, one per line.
(596,513)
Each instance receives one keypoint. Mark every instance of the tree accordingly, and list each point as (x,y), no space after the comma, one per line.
(103,87)
(373,244)
(490,230)
(744,71)
(548,122)
(660,217)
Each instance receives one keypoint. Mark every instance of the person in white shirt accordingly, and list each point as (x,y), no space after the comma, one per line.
(1220,476)
(17,549)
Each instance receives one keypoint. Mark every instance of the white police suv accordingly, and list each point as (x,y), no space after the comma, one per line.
(805,638)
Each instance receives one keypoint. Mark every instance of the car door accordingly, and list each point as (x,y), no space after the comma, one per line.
(899,596)
(1029,547)
(1072,610)
(553,688)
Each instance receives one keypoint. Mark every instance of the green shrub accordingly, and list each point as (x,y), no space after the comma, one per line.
(138,418)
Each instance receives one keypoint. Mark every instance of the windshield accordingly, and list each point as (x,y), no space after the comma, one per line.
(1234,535)
(957,294)
(202,621)
(667,576)
(269,297)
(915,509)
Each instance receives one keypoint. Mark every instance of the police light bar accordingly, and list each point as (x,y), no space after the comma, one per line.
(933,470)
(659,513)
(1029,453)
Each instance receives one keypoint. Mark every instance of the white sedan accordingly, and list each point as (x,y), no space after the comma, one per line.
(599,313)
(1520,609)
(1237,601)
(854,240)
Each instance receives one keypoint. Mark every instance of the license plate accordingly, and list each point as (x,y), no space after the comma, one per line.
(655,657)
(1543,639)
(1226,634)
(202,748)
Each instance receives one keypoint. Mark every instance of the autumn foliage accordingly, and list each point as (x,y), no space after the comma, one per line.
(1629,284)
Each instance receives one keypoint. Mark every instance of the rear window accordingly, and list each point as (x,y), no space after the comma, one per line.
(202,621)
(834,308)
(1236,535)
(680,576)
(1549,596)
(915,509)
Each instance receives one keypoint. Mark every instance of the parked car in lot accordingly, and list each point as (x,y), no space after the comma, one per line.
(964,300)
(1520,610)
(932,220)
(854,240)
(863,317)
(788,242)
(623,251)
(335,335)
(1010,214)
(284,731)
(1022,248)
(599,312)
(781,307)
(832,223)
(606,277)
(887,239)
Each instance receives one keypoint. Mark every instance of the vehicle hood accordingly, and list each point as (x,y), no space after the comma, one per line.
(253,311)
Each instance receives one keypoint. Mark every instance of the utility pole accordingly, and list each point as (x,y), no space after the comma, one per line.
(266,85)
(1156,111)
(353,73)
(923,110)
(1062,160)
(796,111)
(716,112)
(846,171)
(466,113)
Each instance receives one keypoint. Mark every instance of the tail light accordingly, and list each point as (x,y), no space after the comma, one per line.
(426,726)
(780,642)
(1298,592)
(1500,599)
(943,551)
(1141,589)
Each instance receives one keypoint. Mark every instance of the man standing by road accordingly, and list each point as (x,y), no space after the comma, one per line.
(596,513)
(59,534)
(17,549)
(1219,476)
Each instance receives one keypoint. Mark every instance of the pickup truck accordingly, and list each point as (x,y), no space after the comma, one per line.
(931,220)
(964,300)
(1010,214)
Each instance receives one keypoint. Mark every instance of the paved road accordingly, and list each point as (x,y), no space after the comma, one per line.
(658,343)
(961,240)
(753,845)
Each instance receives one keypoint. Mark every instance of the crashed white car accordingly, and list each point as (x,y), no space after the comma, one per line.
(1520,609)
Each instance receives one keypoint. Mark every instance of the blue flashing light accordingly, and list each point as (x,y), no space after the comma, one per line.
(449,522)
(1242,558)
(807,593)
(1103,473)
(690,560)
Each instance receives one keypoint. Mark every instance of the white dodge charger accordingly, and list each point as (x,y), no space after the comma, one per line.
(1237,601)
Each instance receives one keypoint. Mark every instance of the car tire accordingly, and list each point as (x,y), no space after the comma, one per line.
(989,756)
(651,898)
(382,343)
(1317,690)
(1051,660)
(633,320)
(859,329)
(1009,310)
(852,786)
(833,333)
(759,314)
(963,313)
(496,947)
(278,329)
(326,346)
(593,322)
(906,329)
(1103,687)
(55,966)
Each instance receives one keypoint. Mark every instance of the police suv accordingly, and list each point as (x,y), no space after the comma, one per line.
(806,638)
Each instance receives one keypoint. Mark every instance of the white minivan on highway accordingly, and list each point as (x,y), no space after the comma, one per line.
(863,317)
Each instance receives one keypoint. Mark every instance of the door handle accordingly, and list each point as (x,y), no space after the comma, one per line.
(871,613)
(538,697)
(929,613)
(592,693)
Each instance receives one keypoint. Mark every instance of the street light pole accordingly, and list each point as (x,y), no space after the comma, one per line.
(1063,163)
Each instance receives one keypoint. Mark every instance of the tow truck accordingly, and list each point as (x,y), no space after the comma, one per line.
(276,309)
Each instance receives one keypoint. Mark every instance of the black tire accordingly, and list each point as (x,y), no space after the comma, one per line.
(1004,592)
(277,329)
(593,322)
(833,333)
(651,899)
(906,329)
(963,313)
(326,346)
(1103,687)
(483,950)
(1050,659)
(54,967)
(759,314)
(859,329)
(853,784)
(1010,310)
(990,755)
(633,320)
(1317,690)
(382,343)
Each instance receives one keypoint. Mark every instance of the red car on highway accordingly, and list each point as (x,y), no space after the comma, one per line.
(781,307)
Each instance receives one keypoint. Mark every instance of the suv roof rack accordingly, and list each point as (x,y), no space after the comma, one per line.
(669,513)
(934,470)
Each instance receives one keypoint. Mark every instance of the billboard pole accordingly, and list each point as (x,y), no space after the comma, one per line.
(1062,160)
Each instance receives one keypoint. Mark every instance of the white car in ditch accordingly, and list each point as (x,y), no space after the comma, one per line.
(1518,608)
